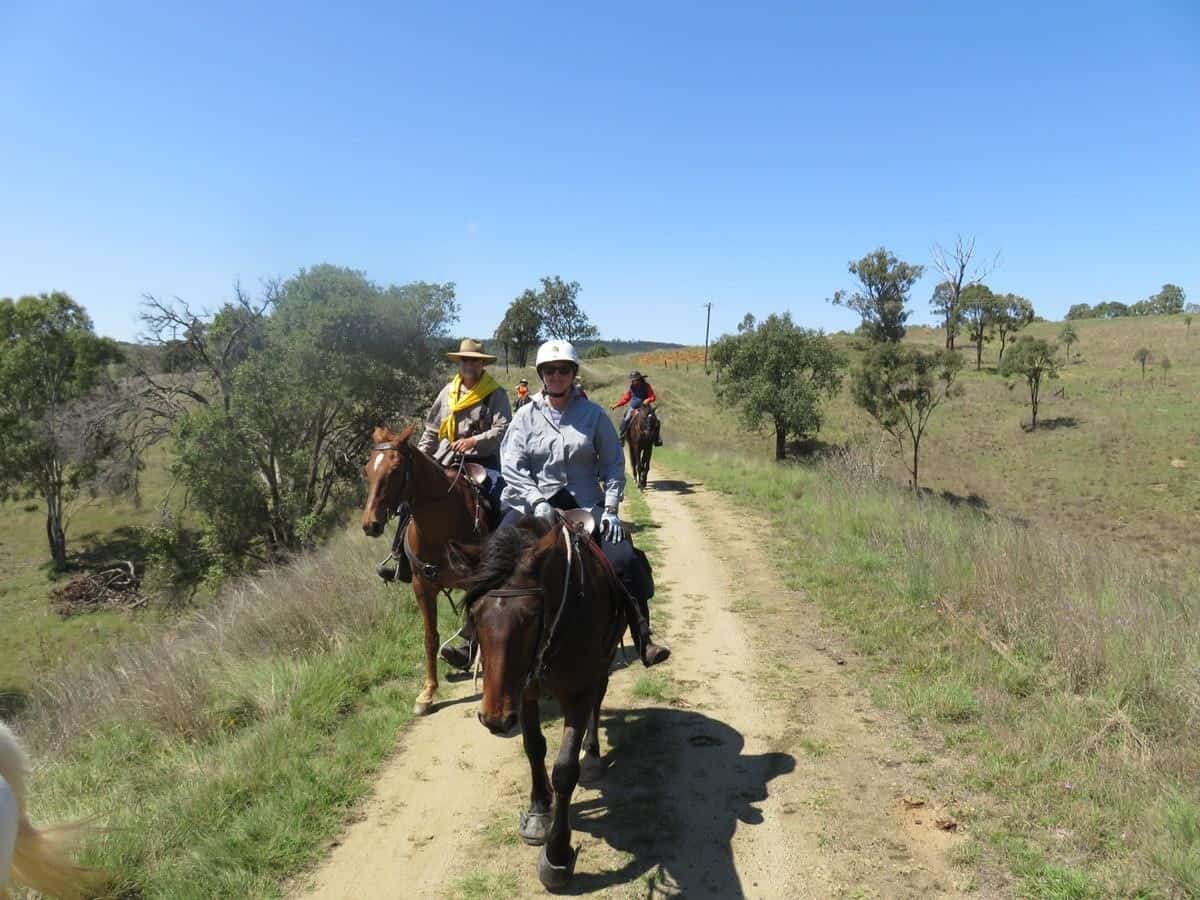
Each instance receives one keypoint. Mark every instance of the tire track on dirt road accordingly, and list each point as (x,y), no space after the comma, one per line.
(748,765)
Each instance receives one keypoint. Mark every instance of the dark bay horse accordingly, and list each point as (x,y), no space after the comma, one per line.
(642,434)
(445,506)
(548,613)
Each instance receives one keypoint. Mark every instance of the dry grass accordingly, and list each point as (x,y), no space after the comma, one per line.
(1037,605)
(172,679)
(1117,463)
(1062,673)
(222,754)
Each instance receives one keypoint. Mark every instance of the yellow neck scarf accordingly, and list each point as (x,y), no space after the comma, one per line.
(477,394)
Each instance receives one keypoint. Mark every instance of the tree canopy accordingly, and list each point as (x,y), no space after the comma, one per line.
(978,311)
(521,328)
(57,430)
(1036,361)
(1010,314)
(778,373)
(267,448)
(562,317)
(882,297)
(900,386)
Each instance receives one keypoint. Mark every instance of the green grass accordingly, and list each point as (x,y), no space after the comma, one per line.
(1015,646)
(1047,630)
(1120,467)
(655,687)
(484,886)
(35,641)
(221,759)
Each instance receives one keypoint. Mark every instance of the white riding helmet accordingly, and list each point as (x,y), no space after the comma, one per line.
(556,351)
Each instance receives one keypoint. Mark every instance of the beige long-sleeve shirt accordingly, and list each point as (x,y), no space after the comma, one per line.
(484,421)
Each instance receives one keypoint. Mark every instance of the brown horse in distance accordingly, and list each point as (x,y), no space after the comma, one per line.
(643,432)
(444,507)
(547,613)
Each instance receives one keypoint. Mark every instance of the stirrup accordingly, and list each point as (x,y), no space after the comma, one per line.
(450,654)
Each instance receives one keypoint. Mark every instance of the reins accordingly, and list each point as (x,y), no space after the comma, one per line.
(429,571)
(545,639)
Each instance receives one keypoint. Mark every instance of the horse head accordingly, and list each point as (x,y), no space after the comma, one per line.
(653,424)
(507,607)
(389,474)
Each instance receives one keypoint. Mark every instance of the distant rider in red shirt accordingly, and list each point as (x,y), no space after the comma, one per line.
(639,392)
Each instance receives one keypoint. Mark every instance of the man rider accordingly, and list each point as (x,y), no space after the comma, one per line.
(468,418)
(639,392)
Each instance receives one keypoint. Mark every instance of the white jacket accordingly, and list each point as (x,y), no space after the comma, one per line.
(539,458)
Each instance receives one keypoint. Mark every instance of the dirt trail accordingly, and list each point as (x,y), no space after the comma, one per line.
(749,765)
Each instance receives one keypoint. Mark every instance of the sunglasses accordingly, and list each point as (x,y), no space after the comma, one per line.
(557,370)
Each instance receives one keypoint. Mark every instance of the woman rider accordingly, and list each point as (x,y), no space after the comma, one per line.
(555,455)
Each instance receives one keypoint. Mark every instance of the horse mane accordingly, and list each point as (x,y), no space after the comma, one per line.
(502,555)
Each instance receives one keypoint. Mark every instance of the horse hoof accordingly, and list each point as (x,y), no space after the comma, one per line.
(422,709)
(534,827)
(555,878)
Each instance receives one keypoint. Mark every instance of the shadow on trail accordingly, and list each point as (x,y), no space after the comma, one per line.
(674,789)
(673,486)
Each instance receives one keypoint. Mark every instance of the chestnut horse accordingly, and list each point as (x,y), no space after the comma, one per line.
(643,432)
(445,506)
(547,611)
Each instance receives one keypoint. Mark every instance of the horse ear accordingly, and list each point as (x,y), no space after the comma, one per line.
(405,434)
(379,435)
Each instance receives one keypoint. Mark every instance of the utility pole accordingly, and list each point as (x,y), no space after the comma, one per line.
(707,320)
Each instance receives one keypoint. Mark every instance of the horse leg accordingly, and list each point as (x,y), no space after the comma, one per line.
(591,745)
(427,597)
(535,822)
(557,862)
(633,455)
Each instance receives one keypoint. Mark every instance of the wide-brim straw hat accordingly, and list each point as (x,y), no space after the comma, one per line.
(470,349)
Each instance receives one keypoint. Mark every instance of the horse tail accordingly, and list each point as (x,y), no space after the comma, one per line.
(41,861)
(40,856)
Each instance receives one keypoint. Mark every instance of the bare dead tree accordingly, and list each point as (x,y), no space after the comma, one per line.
(189,335)
(957,269)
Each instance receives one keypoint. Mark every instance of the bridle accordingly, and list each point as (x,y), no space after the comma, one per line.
(429,570)
(408,466)
(545,639)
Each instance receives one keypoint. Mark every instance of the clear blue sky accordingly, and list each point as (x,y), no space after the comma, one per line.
(660,154)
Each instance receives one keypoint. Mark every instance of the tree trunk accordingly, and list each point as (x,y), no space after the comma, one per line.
(55,534)
(1033,400)
(780,443)
(1003,340)
(979,354)
(916,463)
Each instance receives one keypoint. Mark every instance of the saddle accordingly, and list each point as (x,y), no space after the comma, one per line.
(473,472)
(579,520)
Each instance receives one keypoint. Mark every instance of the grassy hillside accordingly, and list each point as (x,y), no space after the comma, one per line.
(223,753)
(1046,635)
(34,640)
(1117,458)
